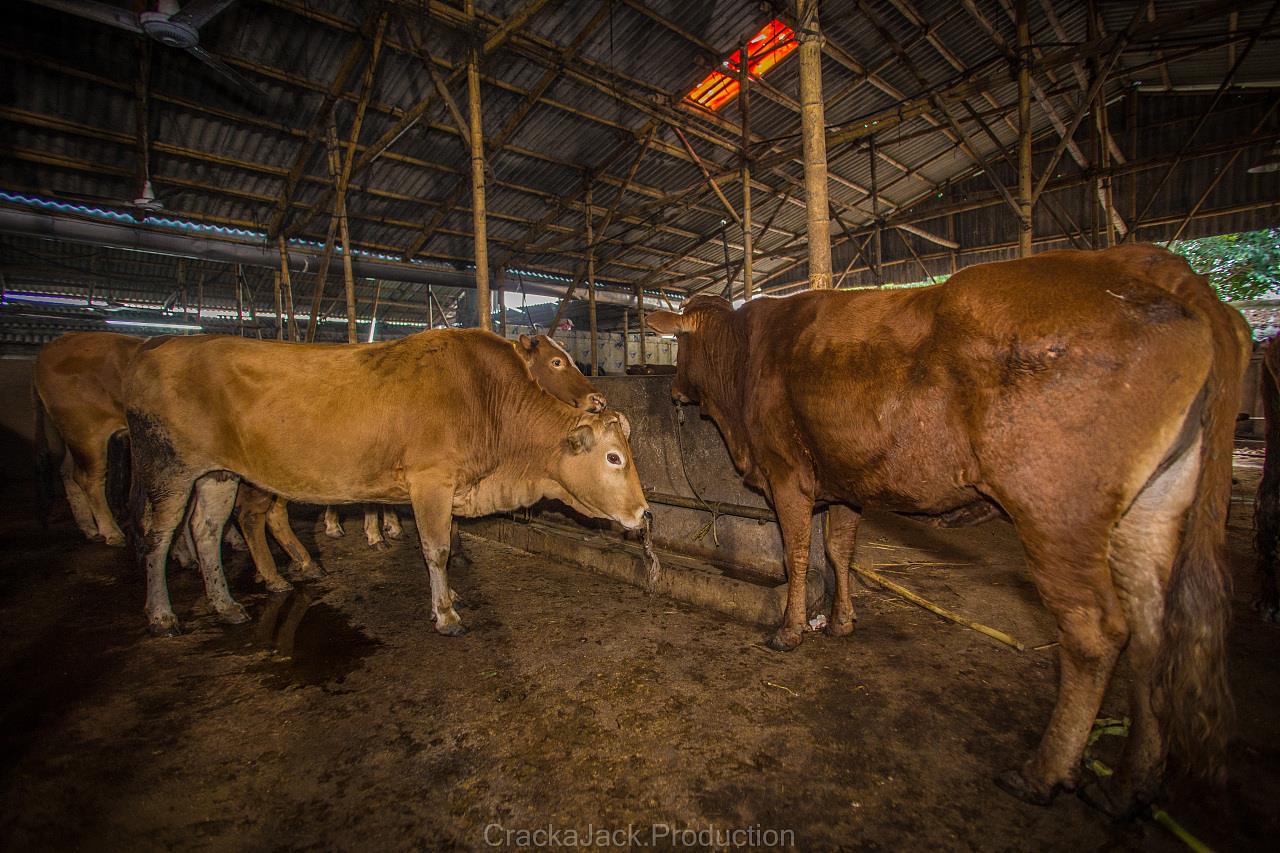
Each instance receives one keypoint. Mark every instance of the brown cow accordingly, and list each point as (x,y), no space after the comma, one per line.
(1266,504)
(553,368)
(1090,395)
(450,421)
(79,385)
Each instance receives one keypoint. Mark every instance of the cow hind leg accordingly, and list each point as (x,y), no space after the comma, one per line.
(372,529)
(458,558)
(1144,546)
(1071,571)
(78,500)
(163,505)
(841,535)
(303,566)
(252,507)
(91,475)
(333,523)
(215,496)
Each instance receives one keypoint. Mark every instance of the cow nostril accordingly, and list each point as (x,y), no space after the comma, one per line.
(598,403)
(648,516)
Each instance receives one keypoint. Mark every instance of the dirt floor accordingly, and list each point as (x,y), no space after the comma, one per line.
(339,720)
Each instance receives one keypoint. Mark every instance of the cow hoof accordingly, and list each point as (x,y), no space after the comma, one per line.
(1115,804)
(784,641)
(233,615)
(393,532)
(1014,783)
(306,571)
(334,532)
(279,585)
(380,545)
(164,626)
(115,541)
(453,629)
(842,628)
(96,537)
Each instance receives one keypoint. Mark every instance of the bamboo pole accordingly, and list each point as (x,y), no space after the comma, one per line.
(291,331)
(813,130)
(275,289)
(744,79)
(877,251)
(877,578)
(1024,129)
(644,333)
(591,289)
(431,311)
(626,338)
(479,227)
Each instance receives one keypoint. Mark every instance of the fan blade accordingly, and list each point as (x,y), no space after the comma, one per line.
(103,13)
(228,73)
(197,13)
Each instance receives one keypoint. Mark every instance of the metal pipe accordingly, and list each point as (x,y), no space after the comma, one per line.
(754,513)
(31,223)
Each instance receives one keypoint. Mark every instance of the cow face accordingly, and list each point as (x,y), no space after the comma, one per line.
(597,473)
(553,368)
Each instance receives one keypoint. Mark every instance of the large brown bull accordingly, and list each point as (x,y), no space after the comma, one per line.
(449,421)
(1090,395)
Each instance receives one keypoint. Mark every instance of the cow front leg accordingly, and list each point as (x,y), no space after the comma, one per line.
(333,523)
(303,566)
(214,498)
(391,523)
(841,536)
(432,502)
(373,530)
(795,518)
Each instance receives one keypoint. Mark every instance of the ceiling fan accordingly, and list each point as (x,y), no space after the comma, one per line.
(171,25)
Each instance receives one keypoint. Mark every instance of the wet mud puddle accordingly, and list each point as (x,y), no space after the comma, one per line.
(296,641)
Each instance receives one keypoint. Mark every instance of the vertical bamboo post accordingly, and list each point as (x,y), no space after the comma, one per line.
(483,308)
(239,302)
(644,332)
(200,295)
(951,235)
(287,280)
(591,287)
(747,239)
(275,289)
(373,315)
(1025,200)
(626,338)
(813,130)
(431,310)
(347,275)
(878,235)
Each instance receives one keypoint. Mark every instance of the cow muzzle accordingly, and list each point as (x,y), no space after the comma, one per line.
(596,403)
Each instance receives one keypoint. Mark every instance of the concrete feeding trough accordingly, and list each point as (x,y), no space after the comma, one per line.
(718,541)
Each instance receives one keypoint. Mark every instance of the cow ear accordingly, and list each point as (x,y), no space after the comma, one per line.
(666,322)
(625,424)
(582,439)
(527,343)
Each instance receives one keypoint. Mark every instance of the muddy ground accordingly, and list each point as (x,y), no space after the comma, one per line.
(339,720)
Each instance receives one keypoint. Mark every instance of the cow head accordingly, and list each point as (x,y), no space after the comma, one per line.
(553,368)
(695,328)
(597,473)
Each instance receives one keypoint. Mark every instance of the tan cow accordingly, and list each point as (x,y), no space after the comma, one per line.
(553,368)
(449,421)
(1089,395)
(78,384)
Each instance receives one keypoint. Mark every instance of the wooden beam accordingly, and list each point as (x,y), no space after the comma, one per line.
(1025,199)
(744,110)
(706,175)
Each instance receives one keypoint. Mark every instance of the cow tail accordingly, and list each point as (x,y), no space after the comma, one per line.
(46,465)
(1192,690)
(1266,504)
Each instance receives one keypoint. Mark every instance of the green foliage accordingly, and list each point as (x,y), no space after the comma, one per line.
(1239,266)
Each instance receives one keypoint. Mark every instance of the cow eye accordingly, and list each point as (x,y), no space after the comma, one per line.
(614,458)
(555,362)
